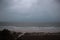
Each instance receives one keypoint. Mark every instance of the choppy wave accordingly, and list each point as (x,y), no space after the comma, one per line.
(31,29)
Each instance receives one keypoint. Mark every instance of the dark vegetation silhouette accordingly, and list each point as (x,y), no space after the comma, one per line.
(8,35)
(11,35)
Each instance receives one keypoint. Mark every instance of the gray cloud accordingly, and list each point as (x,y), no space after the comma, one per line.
(29,10)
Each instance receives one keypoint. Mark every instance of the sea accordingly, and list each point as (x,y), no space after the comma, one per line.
(31,28)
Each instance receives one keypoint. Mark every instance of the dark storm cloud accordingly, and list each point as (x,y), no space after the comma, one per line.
(22,10)
(58,1)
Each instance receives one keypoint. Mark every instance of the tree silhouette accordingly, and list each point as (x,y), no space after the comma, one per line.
(9,35)
(6,35)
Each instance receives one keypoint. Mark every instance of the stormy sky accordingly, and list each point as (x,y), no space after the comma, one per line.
(30,10)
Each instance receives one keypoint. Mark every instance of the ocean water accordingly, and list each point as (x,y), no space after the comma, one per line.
(31,29)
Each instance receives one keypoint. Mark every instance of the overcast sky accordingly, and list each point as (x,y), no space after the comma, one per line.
(29,10)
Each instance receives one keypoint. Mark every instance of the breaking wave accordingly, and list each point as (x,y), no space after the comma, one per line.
(31,29)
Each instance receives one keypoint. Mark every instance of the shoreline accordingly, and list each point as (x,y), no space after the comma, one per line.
(32,29)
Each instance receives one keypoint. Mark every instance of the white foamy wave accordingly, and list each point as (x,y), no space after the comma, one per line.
(31,29)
